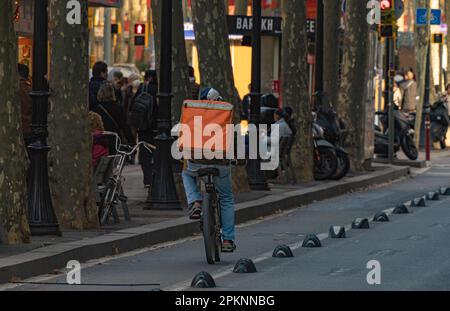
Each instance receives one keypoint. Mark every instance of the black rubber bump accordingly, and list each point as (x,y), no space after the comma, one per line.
(360,223)
(381,217)
(444,191)
(311,240)
(400,209)
(420,202)
(433,196)
(336,232)
(244,265)
(203,280)
(282,251)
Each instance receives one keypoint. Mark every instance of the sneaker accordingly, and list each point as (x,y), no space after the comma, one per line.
(228,246)
(147,186)
(195,211)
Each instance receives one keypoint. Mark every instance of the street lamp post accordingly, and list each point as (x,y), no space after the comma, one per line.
(426,106)
(41,216)
(163,193)
(256,177)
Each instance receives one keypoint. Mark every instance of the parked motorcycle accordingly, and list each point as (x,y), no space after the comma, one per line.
(439,122)
(403,134)
(335,132)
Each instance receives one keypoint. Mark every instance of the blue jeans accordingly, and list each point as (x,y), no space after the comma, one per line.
(224,189)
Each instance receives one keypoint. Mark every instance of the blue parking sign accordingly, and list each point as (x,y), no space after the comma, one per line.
(421,17)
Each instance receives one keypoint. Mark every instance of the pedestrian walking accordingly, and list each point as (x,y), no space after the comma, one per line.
(113,116)
(143,113)
(409,88)
(99,77)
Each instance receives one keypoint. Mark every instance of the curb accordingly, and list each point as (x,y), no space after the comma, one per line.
(397,162)
(46,259)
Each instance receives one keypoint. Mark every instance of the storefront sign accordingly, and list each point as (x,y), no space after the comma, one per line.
(242,25)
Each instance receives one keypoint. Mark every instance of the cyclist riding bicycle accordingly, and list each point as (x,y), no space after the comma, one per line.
(222,183)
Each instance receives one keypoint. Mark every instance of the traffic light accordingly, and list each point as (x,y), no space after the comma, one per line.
(388,25)
(114,28)
(437,38)
(386,5)
(139,29)
(140,35)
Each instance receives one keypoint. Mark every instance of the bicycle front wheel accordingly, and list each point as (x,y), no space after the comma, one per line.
(107,202)
(209,227)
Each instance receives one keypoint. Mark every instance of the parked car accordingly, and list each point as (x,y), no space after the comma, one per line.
(126,69)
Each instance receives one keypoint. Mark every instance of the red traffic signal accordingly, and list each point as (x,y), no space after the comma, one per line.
(386,5)
(139,29)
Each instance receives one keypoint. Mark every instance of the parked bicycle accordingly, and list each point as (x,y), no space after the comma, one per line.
(113,189)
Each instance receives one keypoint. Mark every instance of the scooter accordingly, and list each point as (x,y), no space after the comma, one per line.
(335,133)
(439,122)
(403,134)
(325,157)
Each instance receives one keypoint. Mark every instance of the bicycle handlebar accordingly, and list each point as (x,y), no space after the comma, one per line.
(147,146)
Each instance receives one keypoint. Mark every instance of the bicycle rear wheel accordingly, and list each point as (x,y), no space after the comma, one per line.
(218,225)
(209,228)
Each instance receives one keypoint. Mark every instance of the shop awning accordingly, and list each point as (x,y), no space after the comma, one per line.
(106,3)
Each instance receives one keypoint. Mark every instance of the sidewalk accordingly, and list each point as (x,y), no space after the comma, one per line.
(150,227)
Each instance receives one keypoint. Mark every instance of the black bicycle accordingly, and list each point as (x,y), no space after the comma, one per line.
(113,191)
(211,216)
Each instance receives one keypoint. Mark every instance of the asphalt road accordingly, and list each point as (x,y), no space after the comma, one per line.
(413,249)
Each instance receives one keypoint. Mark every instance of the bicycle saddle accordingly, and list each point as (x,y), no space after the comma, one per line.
(208,171)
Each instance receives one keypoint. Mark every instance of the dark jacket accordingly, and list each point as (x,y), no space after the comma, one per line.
(152,89)
(26,105)
(119,95)
(128,100)
(245,107)
(94,86)
(114,120)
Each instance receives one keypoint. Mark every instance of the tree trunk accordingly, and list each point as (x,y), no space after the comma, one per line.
(295,83)
(352,105)
(156,22)
(119,49)
(132,17)
(13,222)
(211,37)
(421,44)
(70,138)
(180,76)
(241,7)
(332,17)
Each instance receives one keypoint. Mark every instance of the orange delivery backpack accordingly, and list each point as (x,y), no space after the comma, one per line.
(210,126)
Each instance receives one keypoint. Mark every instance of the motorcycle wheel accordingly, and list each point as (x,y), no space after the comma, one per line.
(408,147)
(326,165)
(343,166)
